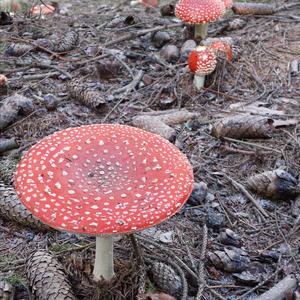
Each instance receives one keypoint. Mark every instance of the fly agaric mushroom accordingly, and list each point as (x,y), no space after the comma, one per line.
(220,48)
(202,61)
(227,3)
(101,180)
(200,13)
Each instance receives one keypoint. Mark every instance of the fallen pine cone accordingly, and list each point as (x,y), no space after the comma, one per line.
(67,43)
(241,8)
(7,169)
(243,127)
(88,97)
(229,237)
(229,260)
(155,125)
(166,279)
(18,49)
(12,209)
(47,278)
(12,107)
(277,184)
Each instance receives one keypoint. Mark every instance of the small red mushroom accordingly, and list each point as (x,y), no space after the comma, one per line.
(101,180)
(3,80)
(222,47)
(200,13)
(202,61)
(227,3)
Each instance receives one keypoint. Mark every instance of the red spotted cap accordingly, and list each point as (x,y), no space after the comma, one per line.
(202,61)
(222,47)
(103,179)
(199,11)
(227,3)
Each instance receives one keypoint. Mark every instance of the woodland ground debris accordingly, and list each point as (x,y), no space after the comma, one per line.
(262,83)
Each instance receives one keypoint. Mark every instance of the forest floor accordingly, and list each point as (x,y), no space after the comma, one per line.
(246,251)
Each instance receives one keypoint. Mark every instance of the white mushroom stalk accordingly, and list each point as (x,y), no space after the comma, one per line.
(104,261)
(201,30)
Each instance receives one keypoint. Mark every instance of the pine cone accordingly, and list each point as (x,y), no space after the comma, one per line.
(166,279)
(18,49)
(243,126)
(277,184)
(47,278)
(241,8)
(67,43)
(88,97)
(12,209)
(7,169)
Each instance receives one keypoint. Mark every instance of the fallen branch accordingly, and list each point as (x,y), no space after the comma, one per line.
(280,290)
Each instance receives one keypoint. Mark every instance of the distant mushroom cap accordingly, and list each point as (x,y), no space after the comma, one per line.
(202,61)
(220,46)
(3,80)
(199,11)
(103,179)
(228,3)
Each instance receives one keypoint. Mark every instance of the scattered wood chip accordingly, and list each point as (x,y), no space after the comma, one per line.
(243,126)
(288,122)
(277,184)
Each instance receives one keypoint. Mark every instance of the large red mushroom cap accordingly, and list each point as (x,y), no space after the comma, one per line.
(103,179)
(202,61)
(199,11)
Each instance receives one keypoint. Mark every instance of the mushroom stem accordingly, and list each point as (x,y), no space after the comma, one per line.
(201,30)
(104,263)
(199,82)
